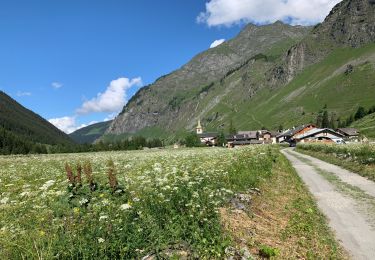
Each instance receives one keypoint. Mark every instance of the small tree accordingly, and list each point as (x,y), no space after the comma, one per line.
(361,112)
(319,119)
(232,129)
(192,140)
(325,120)
(221,141)
(332,121)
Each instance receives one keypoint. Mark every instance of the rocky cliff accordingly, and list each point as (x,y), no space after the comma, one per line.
(350,23)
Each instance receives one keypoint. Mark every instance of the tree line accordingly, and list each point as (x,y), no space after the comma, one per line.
(329,120)
(11,143)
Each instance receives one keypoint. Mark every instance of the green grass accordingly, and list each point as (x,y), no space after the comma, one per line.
(366,126)
(147,132)
(169,199)
(169,204)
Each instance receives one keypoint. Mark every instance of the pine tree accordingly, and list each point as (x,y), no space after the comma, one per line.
(232,130)
(361,112)
(221,141)
(319,119)
(325,120)
(332,121)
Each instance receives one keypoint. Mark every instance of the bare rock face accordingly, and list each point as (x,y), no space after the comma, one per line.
(351,23)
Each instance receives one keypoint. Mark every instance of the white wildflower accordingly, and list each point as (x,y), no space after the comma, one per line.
(101,240)
(125,206)
(4,200)
(83,201)
(103,217)
(47,185)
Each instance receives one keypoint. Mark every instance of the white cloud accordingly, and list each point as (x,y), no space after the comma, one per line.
(57,85)
(230,12)
(217,43)
(113,99)
(66,124)
(23,94)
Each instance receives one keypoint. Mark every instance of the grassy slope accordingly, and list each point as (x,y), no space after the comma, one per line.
(90,133)
(299,101)
(366,125)
(148,133)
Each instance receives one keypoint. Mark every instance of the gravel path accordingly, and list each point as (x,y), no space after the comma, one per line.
(347,199)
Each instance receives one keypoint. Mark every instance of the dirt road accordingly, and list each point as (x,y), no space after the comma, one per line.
(347,199)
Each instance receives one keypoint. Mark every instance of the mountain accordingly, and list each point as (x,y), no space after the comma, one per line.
(171,101)
(267,76)
(90,133)
(18,121)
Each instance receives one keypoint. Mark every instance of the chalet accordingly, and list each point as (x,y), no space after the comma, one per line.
(268,137)
(251,137)
(324,135)
(242,138)
(350,134)
(289,135)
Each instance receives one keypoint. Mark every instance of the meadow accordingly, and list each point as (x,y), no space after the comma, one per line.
(202,203)
(134,204)
(359,158)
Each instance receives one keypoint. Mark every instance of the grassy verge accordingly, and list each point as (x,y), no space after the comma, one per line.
(284,221)
(365,170)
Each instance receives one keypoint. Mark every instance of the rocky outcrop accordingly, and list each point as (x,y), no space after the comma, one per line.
(351,23)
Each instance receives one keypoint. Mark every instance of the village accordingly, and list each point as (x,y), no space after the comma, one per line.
(308,133)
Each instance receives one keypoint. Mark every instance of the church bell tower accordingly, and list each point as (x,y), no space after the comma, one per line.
(199,128)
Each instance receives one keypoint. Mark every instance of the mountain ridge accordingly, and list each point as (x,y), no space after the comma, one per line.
(264,73)
(210,66)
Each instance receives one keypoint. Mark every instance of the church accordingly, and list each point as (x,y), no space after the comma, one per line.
(209,139)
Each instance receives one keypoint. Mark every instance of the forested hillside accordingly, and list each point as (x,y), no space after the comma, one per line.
(28,125)
(23,132)
(88,134)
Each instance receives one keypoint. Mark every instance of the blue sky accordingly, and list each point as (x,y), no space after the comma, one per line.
(56,56)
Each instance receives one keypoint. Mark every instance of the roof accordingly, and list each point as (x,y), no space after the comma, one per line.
(348,131)
(208,135)
(247,142)
(295,130)
(316,131)
(247,134)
